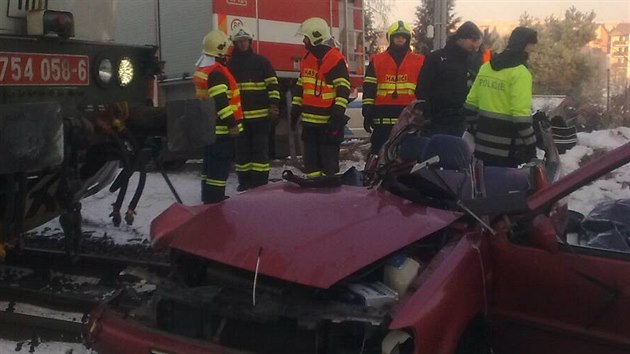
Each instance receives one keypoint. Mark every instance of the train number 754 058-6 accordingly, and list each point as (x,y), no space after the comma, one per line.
(35,69)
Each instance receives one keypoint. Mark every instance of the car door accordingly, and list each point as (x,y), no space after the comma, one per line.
(574,301)
(559,298)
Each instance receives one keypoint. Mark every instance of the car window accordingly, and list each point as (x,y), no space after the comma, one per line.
(599,213)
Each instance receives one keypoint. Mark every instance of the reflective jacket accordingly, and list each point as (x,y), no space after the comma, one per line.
(390,87)
(216,82)
(503,101)
(323,86)
(257,82)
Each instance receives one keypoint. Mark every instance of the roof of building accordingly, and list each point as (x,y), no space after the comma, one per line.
(621,29)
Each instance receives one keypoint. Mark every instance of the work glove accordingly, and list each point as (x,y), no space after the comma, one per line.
(337,123)
(274,112)
(368,121)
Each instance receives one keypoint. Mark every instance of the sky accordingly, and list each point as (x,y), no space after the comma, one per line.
(507,10)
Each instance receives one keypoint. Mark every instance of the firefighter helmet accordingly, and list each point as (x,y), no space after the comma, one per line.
(241,32)
(399,27)
(216,44)
(316,30)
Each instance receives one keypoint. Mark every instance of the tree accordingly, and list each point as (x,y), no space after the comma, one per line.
(562,63)
(492,40)
(371,33)
(424,18)
(374,19)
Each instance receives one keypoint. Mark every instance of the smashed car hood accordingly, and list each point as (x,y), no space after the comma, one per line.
(311,237)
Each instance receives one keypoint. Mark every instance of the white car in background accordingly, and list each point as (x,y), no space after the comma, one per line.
(354,128)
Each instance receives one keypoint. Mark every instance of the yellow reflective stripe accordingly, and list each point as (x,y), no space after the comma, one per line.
(385,120)
(252,86)
(506,117)
(493,138)
(341,82)
(370,79)
(217,90)
(257,113)
(492,151)
(260,167)
(216,182)
(367,101)
(314,118)
(274,94)
(314,174)
(201,93)
(296,100)
(307,80)
(243,167)
(223,130)
(399,91)
(271,80)
(225,112)
(340,101)
(400,85)
(326,96)
(201,75)
(470,106)
(299,81)
(231,94)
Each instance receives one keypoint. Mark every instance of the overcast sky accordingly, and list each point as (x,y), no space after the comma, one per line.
(606,10)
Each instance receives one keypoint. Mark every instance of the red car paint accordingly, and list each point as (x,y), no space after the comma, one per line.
(535,298)
(310,237)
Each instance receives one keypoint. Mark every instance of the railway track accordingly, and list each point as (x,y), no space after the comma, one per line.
(36,277)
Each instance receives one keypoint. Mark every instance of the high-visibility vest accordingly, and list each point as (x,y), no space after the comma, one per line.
(316,91)
(487,55)
(202,91)
(396,85)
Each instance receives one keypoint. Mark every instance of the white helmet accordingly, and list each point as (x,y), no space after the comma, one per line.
(241,32)
(316,29)
(215,44)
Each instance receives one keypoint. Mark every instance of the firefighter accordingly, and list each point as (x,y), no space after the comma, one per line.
(390,84)
(502,98)
(213,80)
(320,99)
(260,97)
(444,81)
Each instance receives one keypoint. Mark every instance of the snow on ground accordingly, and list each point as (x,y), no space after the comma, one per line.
(28,346)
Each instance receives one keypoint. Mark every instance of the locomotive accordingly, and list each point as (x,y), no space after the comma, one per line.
(74,106)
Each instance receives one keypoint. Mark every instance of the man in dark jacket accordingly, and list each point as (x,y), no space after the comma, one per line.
(444,79)
(260,97)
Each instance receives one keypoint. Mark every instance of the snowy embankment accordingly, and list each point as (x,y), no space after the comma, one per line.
(615,185)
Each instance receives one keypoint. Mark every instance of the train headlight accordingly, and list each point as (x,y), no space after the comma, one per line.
(125,72)
(105,71)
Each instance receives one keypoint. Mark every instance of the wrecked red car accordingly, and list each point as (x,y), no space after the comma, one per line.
(439,258)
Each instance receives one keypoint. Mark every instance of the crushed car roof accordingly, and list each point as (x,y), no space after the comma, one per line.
(310,237)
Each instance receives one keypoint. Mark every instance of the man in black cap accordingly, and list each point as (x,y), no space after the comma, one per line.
(444,81)
(501,98)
